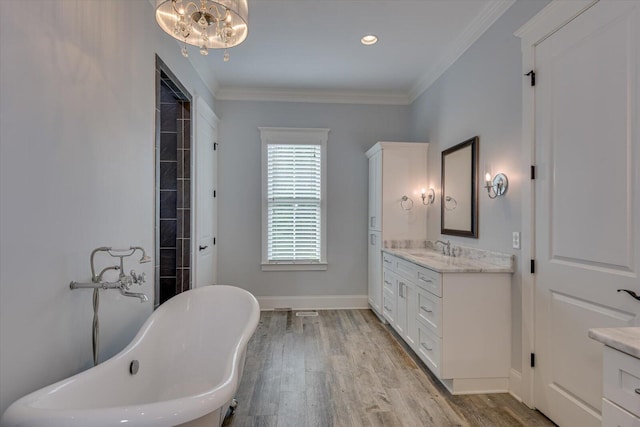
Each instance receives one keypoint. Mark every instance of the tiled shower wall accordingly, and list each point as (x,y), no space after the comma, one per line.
(174,216)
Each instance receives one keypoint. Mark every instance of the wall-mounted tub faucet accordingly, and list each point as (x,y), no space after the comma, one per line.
(143,297)
(123,283)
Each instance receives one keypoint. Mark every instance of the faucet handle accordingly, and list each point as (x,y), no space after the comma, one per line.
(126,282)
(138,278)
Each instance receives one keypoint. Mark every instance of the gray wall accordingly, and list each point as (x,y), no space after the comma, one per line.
(77,117)
(354,128)
(481,94)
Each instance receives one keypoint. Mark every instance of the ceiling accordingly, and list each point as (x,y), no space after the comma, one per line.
(310,50)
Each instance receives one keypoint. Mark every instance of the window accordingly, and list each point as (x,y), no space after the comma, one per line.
(293,194)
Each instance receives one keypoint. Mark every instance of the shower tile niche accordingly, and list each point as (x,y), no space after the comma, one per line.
(173,188)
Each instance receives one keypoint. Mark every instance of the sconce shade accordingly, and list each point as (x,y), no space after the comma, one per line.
(497,186)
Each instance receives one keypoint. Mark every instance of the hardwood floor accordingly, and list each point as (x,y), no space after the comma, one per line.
(344,368)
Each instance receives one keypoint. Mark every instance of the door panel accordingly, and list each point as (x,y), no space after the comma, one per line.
(587,202)
(206,204)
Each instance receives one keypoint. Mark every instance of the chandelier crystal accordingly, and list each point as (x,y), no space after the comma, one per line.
(207,24)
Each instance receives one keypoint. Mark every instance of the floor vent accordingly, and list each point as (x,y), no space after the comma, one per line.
(306,313)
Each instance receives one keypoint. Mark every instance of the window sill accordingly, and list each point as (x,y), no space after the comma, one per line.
(282,266)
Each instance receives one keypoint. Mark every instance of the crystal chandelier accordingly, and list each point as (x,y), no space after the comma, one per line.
(207,24)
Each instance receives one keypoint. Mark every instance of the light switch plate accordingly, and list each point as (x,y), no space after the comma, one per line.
(516,240)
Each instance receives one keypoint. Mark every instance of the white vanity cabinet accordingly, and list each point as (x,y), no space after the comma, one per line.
(399,294)
(396,169)
(458,323)
(621,375)
(621,389)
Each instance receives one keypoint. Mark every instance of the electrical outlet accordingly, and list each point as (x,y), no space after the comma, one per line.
(516,240)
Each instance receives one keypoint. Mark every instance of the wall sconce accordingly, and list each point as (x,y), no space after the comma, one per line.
(428,197)
(497,186)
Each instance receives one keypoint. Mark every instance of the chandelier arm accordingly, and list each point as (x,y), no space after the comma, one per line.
(174,3)
(213,10)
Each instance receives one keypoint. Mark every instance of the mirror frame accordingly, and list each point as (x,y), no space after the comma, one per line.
(474,143)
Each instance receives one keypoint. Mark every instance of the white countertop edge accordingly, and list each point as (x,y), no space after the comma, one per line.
(625,339)
(448,264)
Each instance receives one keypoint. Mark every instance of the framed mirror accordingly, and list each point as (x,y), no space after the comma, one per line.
(459,195)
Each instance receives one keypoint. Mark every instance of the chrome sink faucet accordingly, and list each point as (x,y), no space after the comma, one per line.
(446,247)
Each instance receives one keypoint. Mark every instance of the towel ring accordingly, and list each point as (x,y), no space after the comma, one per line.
(450,203)
(406,203)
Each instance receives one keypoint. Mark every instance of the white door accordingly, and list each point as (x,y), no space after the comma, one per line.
(587,193)
(205,224)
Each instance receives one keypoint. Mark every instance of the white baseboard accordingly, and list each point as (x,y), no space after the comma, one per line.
(515,384)
(319,302)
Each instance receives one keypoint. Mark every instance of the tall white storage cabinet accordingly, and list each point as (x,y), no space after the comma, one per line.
(396,169)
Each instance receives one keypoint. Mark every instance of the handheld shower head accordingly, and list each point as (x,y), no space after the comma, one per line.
(144,258)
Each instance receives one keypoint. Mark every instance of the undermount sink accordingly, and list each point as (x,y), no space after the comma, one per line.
(426,254)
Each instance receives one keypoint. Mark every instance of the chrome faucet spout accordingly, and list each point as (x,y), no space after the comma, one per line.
(143,297)
(446,247)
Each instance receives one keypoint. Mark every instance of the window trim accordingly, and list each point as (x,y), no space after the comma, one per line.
(302,136)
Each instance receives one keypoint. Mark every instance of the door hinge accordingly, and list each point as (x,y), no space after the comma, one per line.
(215,146)
(214,240)
(533,360)
(533,266)
(533,172)
(532,74)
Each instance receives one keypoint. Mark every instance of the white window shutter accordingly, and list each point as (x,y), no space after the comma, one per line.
(294,192)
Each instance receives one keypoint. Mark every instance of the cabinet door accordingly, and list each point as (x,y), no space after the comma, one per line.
(375,192)
(400,324)
(375,271)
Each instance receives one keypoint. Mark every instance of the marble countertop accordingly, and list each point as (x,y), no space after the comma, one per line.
(477,261)
(626,339)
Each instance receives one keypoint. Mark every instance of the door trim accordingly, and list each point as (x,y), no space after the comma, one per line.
(549,20)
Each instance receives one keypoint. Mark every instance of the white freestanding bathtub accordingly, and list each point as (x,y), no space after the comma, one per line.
(190,355)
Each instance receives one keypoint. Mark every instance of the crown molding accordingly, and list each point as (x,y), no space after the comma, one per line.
(549,19)
(315,96)
(489,15)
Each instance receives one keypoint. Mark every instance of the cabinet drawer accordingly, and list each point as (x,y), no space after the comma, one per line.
(407,269)
(430,311)
(389,262)
(389,306)
(423,277)
(429,348)
(615,416)
(430,281)
(621,379)
(388,280)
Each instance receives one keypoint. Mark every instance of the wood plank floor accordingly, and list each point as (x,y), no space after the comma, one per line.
(344,368)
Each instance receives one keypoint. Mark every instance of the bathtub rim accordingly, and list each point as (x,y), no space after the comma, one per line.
(183,409)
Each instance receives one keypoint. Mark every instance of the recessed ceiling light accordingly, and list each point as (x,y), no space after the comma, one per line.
(369,39)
